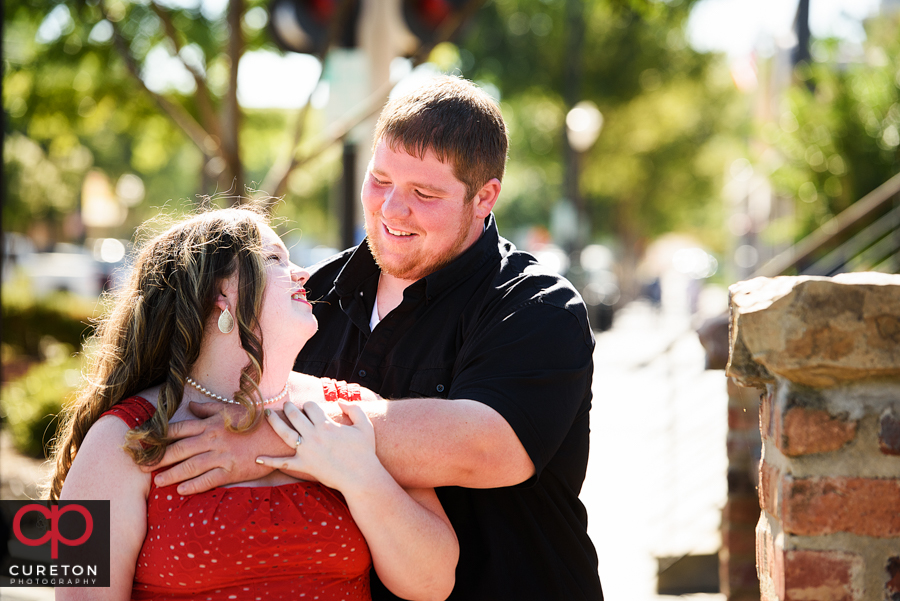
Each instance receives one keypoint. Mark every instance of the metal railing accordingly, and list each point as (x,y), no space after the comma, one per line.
(864,237)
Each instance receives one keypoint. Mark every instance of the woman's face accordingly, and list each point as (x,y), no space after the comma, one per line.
(286,318)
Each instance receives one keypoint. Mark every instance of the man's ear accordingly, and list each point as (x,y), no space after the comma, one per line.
(486,198)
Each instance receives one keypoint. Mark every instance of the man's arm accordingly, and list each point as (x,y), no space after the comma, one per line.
(530,374)
(206,455)
(423,443)
(426,443)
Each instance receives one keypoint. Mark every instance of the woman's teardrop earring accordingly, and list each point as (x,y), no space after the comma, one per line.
(226,321)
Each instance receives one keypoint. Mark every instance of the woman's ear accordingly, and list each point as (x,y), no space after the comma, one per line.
(227,297)
(226,303)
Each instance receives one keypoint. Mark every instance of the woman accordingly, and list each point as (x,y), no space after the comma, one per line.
(215,309)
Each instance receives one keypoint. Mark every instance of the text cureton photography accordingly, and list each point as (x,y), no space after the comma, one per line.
(55,544)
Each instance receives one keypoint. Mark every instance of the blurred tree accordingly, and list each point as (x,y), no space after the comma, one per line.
(79,93)
(669,113)
(82,89)
(836,134)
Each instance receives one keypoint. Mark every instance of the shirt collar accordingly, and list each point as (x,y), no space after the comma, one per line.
(467,263)
(362,271)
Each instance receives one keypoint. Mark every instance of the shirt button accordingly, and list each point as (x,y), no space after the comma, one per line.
(362,373)
(440,388)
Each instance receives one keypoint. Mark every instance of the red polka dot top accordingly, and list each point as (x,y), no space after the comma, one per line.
(295,541)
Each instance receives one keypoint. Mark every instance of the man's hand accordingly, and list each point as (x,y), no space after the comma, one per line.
(207,455)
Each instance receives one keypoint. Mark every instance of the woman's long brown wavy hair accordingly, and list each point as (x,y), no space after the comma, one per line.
(154,331)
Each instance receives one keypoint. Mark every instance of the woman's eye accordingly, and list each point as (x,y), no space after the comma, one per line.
(275,258)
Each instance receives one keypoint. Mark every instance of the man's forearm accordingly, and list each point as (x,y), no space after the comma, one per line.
(425,443)
(211,456)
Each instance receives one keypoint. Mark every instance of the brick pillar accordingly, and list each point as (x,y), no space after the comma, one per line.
(827,353)
(737,556)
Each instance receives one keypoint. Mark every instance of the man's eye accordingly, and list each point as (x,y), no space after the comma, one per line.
(378,181)
(423,195)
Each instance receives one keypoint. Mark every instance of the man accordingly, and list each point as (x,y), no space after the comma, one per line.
(486,353)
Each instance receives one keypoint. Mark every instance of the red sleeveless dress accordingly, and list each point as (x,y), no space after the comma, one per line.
(294,541)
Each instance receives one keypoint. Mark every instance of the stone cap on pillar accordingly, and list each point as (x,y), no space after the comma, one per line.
(815,331)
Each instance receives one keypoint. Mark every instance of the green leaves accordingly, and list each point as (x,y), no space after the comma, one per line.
(837,130)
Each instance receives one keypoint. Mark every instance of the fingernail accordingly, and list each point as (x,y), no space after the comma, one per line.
(259,461)
(268,412)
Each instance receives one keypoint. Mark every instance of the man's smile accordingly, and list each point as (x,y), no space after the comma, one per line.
(394,232)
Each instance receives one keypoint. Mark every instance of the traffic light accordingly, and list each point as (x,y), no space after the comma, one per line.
(424,18)
(306,25)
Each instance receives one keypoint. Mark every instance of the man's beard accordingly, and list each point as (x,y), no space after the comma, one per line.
(416,266)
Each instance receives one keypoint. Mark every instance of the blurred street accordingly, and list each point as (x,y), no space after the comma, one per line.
(656,476)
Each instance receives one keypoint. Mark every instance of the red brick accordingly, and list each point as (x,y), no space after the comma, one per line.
(741,510)
(892,589)
(820,576)
(864,506)
(807,431)
(740,541)
(889,433)
(739,580)
(743,447)
(769,481)
(741,419)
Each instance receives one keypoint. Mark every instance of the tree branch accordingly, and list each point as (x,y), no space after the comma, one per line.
(203,96)
(339,130)
(198,135)
(231,111)
(278,175)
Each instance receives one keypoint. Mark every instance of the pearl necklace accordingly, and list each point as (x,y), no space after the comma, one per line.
(217,397)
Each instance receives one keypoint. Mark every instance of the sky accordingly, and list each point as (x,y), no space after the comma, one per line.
(735,27)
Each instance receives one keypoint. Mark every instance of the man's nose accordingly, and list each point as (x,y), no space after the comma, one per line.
(395,205)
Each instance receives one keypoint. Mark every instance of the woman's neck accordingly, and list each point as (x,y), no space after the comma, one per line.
(219,371)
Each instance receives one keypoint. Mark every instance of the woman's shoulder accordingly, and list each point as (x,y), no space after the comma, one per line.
(134,410)
(102,460)
(150,395)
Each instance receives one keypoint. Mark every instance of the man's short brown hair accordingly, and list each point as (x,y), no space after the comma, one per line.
(454,119)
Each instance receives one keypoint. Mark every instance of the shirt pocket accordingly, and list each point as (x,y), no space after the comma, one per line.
(430,383)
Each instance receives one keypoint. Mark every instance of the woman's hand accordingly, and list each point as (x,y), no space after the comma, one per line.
(413,546)
(340,456)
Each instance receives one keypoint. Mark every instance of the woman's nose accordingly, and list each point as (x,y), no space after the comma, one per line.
(299,274)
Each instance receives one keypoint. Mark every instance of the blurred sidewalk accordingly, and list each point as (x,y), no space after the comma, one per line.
(19,478)
(656,480)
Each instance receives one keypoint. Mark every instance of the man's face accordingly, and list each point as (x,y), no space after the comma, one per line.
(417,215)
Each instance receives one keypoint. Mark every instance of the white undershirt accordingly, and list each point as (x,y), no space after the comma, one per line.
(374,320)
